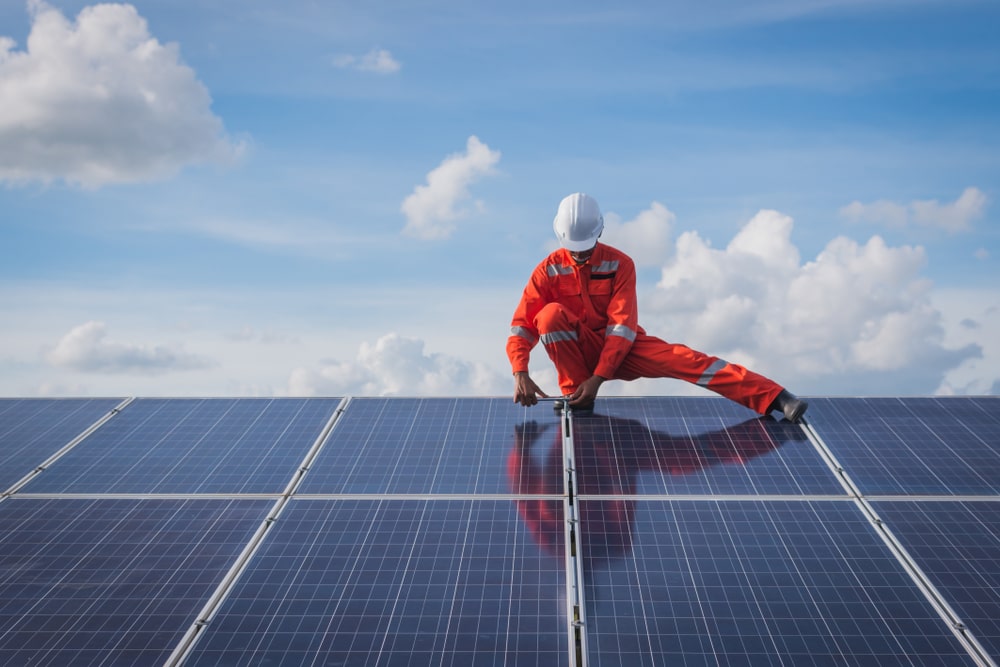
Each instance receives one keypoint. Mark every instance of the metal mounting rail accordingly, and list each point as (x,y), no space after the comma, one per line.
(576,621)
(923,582)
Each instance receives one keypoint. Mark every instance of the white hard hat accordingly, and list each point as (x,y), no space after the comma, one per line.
(578,222)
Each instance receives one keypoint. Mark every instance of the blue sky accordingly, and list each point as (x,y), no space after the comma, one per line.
(250,198)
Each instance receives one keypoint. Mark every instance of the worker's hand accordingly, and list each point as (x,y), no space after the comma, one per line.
(526,392)
(586,392)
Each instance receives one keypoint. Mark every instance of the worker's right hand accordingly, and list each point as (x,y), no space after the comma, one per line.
(526,392)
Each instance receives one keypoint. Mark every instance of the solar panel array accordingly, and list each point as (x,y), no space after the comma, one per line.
(447,531)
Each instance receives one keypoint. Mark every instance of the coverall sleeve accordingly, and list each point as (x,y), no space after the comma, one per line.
(623,321)
(523,335)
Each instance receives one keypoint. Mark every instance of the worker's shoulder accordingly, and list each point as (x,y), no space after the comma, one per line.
(613,253)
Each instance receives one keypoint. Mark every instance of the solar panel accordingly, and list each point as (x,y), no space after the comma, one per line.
(33,429)
(914,446)
(192,446)
(751,582)
(957,545)
(394,582)
(695,446)
(434,531)
(102,582)
(425,445)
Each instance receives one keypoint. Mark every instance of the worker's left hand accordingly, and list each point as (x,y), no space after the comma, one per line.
(586,392)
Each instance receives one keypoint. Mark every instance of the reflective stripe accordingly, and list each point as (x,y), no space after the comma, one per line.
(620,330)
(710,372)
(558,336)
(559,270)
(523,333)
(607,266)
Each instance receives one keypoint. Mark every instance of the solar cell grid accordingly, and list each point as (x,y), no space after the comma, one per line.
(423,446)
(111,581)
(400,582)
(192,446)
(32,430)
(751,582)
(637,447)
(913,446)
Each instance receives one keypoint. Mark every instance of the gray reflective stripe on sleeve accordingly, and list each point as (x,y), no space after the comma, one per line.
(559,270)
(607,266)
(523,333)
(558,336)
(620,330)
(710,372)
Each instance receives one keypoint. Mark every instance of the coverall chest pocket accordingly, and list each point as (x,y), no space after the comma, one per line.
(600,292)
(568,288)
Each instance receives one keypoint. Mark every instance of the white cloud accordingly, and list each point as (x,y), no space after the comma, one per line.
(856,320)
(954,217)
(395,365)
(646,239)
(972,317)
(86,348)
(379,61)
(432,209)
(101,101)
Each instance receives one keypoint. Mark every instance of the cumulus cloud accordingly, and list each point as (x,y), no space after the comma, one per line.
(379,61)
(954,217)
(432,209)
(857,319)
(646,239)
(395,365)
(100,101)
(87,348)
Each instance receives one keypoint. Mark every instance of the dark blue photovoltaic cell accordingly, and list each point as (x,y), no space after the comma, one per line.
(931,446)
(33,429)
(192,446)
(751,583)
(430,445)
(957,545)
(112,582)
(696,446)
(395,582)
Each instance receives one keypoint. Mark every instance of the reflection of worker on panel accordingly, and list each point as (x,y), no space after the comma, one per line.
(611,452)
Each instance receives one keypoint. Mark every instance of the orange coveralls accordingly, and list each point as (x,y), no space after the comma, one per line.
(587,316)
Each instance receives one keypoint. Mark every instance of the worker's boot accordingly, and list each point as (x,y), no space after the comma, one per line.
(789,405)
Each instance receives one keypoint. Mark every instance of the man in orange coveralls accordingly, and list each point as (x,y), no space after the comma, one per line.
(580,302)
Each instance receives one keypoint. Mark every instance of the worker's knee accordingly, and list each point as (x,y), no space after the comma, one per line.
(554,317)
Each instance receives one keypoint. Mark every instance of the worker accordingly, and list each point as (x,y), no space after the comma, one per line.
(580,302)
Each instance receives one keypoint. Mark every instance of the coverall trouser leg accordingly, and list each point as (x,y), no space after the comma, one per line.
(575,350)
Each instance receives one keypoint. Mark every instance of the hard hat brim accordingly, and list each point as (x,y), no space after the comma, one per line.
(579,246)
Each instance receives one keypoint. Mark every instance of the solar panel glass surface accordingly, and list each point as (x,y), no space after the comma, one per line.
(102,582)
(930,446)
(694,446)
(192,446)
(429,445)
(396,582)
(33,429)
(751,582)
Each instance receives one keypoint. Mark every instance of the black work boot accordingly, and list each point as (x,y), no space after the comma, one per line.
(789,405)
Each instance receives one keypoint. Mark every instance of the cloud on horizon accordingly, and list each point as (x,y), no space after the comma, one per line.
(432,210)
(100,101)
(957,216)
(87,348)
(398,366)
(857,319)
